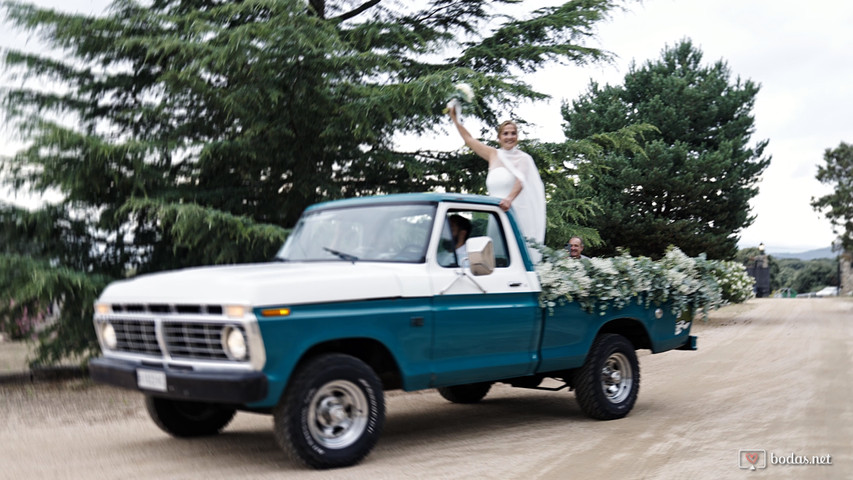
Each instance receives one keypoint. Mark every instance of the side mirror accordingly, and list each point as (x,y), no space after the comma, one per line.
(481,255)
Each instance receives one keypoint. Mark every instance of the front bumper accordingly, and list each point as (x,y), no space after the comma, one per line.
(208,386)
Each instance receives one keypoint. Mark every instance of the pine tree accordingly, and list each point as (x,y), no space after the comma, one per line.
(190,132)
(691,182)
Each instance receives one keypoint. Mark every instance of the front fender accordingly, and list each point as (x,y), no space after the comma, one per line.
(402,326)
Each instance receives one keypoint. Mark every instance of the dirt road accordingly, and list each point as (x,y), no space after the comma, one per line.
(772,375)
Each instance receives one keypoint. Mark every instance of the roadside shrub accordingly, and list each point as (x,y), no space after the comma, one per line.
(23,324)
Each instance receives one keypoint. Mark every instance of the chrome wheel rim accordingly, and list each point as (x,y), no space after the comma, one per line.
(616,378)
(337,415)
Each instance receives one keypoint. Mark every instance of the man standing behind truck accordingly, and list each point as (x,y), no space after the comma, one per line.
(575,248)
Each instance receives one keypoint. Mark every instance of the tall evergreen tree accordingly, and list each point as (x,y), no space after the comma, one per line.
(838,205)
(691,182)
(187,132)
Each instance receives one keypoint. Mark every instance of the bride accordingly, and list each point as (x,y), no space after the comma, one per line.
(512,176)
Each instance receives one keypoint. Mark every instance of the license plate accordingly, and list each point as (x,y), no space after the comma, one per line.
(151,380)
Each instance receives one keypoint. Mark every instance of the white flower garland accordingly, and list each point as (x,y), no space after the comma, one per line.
(688,284)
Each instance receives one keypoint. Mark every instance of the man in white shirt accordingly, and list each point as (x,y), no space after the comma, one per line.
(460,230)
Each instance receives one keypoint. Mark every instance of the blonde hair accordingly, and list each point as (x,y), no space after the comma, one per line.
(504,124)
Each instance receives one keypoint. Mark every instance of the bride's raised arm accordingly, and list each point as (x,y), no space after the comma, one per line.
(490,154)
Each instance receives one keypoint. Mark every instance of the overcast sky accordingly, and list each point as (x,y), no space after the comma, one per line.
(801,53)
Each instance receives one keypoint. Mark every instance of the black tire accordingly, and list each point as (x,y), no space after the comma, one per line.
(608,382)
(332,412)
(182,418)
(470,393)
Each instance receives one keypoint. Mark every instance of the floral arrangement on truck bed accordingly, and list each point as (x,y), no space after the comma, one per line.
(689,284)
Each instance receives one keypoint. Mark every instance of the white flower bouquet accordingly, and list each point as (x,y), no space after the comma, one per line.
(463,94)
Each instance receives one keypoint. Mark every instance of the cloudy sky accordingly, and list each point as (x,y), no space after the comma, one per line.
(801,53)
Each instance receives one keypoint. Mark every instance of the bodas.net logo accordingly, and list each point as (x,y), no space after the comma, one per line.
(752,459)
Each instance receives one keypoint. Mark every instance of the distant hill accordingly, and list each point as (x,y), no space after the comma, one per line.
(809,255)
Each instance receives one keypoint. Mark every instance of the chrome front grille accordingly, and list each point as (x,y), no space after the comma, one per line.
(194,340)
(183,339)
(137,336)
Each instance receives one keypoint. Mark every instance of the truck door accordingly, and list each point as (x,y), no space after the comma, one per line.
(486,327)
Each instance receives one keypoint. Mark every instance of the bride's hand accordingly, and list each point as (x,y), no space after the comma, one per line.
(452,109)
(506,204)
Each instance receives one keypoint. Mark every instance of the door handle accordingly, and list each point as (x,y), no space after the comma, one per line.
(514,284)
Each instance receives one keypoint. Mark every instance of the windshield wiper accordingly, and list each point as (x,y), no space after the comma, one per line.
(342,255)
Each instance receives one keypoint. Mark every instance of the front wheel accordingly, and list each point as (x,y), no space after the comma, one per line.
(182,418)
(332,413)
(608,382)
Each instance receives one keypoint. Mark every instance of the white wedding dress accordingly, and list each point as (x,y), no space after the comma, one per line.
(529,205)
(499,182)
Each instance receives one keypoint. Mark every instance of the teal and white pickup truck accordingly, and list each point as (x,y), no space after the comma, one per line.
(365,296)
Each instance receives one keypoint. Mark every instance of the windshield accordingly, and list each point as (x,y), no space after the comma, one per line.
(388,233)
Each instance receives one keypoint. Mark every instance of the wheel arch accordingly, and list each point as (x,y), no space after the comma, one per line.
(632,329)
(369,350)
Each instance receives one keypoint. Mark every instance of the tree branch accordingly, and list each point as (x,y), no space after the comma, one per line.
(319,7)
(352,13)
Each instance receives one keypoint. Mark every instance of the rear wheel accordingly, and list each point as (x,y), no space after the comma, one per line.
(332,413)
(470,393)
(608,382)
(182,418)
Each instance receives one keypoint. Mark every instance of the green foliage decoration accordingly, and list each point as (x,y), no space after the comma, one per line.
(687,284)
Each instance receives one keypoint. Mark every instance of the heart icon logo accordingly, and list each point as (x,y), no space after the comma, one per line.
(751,457)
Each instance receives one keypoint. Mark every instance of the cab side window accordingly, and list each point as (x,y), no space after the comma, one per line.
(481,224)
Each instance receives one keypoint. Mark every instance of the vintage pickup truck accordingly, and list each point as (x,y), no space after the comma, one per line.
(366,295)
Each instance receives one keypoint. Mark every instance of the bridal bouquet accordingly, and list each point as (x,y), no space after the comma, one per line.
(463,95)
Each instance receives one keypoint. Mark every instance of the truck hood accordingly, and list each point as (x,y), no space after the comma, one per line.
(273,284)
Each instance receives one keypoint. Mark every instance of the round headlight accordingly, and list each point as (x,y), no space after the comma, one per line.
(108,335)
(234,343)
